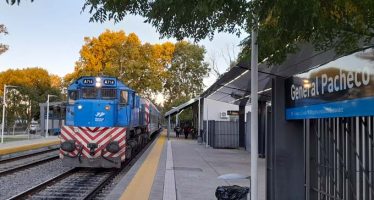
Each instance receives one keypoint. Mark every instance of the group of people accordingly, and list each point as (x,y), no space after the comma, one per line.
(186,130)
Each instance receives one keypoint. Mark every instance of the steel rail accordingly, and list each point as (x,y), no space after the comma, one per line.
(11,159)
(28,165)
(41,186)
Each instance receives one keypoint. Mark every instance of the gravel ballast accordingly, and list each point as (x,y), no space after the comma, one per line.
(18,182)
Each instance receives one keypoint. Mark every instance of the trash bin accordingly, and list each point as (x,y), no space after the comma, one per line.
(233,192)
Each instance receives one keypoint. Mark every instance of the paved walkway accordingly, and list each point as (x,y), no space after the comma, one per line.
(181,169)
(196,169)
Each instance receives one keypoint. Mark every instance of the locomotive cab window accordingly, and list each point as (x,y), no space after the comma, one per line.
(89,93)
(108,93)
(73,95)
(124,97)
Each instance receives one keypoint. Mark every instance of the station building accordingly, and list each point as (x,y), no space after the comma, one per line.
(316,124)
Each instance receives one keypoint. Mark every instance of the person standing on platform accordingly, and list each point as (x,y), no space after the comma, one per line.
(186,131)
(177,130)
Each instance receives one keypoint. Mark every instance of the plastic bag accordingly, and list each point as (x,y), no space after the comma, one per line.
(233,192)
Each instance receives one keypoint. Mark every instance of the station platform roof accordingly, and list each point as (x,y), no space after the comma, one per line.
(234,85)
(179,108)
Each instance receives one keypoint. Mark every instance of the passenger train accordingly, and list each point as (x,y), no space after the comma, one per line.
(106,122)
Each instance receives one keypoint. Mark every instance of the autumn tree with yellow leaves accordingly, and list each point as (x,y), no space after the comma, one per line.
(141,66)
(33,86)
(175,70)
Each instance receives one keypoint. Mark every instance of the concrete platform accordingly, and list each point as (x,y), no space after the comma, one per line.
(26,145)
(187,170)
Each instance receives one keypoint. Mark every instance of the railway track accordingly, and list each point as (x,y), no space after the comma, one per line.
(12,165)
(74,184)
(78,183)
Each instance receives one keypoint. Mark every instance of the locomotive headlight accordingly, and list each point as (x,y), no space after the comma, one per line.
(107,107)
(98,79)
(113,147)
(98,84)
(79,107)
(68,145)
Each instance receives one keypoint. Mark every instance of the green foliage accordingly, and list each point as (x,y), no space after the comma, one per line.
(179,19)
(342,25)
(12,2)
(186,74)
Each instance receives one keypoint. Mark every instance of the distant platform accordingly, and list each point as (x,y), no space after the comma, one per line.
(26,145)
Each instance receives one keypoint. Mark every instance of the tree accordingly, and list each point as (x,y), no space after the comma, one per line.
(34,84)
(186,73)
(342,25)
(175,70)
(56,81)
(140,66)
(3,47)
(283,25)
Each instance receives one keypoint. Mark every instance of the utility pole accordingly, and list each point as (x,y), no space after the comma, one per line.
(3,120)
(4,106)
(254,112)
(47,125)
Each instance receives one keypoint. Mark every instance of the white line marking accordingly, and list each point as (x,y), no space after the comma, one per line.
(169,183)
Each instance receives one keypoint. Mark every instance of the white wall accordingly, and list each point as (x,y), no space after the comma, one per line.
(212,109)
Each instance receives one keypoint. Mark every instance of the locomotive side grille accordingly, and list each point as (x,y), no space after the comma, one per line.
(108,93)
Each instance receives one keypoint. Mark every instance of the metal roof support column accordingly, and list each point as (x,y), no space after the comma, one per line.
(168,127)
(42,116)
(254,113)
(207,125)
(198,118)
(3,116)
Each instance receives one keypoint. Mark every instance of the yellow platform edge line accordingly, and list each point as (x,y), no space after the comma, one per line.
(27,147)
(141,184)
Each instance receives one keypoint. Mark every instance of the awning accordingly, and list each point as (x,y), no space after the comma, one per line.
(181,107)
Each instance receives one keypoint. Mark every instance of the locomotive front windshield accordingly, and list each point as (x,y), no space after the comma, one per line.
(89,93)
(73,95)
(93,93)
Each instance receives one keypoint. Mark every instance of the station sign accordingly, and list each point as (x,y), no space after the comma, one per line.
(341,88)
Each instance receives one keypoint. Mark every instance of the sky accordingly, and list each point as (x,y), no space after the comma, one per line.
(49,34)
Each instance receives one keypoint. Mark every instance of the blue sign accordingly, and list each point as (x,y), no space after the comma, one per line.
(341,88)
(347,108)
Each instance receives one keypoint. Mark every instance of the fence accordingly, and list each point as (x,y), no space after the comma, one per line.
(222,134)
(340,158)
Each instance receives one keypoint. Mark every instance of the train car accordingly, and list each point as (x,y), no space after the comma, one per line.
(106,122)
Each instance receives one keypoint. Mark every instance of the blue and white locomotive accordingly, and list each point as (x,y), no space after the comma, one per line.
(106,121)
